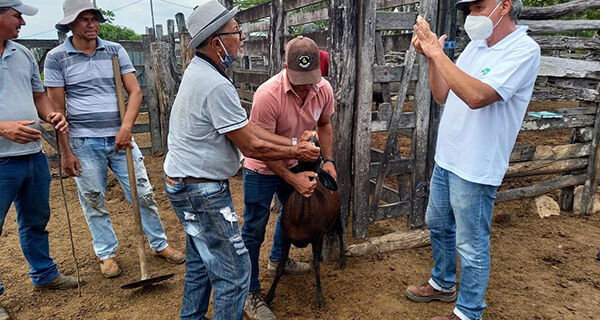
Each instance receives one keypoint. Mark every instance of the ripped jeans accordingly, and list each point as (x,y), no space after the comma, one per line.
(95,155)
(216,257)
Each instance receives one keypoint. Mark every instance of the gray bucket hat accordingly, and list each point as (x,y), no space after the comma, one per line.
(72,9)
(19,6)
(206,19)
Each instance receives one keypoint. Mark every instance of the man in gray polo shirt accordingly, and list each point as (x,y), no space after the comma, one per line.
(81,70)
(207,126)
(24,174)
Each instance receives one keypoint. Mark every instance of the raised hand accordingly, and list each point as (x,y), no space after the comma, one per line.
(427,42)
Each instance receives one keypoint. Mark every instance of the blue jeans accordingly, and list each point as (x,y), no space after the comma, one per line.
(258,193)
(25,180)
(95,155)
(458,215)
(215,253)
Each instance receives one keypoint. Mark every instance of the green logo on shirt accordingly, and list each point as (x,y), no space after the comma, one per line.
(485,71)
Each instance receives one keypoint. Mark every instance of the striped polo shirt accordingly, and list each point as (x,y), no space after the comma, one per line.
(91,96)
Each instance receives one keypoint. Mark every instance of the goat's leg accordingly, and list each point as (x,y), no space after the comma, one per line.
(285,251)
(317,247)
(340,232)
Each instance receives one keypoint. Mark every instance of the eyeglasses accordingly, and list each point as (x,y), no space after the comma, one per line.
(239,33)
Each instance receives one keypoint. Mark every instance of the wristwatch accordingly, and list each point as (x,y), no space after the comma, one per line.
(294,141)
(329,160)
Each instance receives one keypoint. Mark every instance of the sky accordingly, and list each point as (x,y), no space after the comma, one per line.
(134,14)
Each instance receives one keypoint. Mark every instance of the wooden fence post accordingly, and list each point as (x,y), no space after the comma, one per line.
(151,94)
(159,33)
(427,10)
(276,33)
(171,39)
(343,18)
(362,119)
(187,54)
(591,181)
(166,85)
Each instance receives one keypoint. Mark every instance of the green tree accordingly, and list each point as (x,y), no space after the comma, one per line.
(112,32)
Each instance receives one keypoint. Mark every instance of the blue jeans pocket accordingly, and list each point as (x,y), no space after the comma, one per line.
(77,143)
(4,160)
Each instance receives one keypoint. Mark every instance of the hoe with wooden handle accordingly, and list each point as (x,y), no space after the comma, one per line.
(146,280)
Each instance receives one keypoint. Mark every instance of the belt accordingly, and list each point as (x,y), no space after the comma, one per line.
(171,180)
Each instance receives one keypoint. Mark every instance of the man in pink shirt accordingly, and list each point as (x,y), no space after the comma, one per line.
(293,101)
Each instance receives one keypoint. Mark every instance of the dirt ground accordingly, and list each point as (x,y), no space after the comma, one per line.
(541,269)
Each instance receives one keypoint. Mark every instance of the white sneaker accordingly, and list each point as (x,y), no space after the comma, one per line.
(3,314)
(256,308)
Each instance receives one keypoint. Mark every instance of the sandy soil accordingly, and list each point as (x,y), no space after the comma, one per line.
(541,269)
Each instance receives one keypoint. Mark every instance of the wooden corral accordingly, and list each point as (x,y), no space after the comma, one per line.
(370,55)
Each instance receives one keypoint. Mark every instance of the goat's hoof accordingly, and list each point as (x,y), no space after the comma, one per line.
(319,301)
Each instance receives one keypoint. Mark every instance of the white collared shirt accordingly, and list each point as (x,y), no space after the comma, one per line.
(476,144)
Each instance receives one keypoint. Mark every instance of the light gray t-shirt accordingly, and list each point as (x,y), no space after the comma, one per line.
(206,107)
(19,78)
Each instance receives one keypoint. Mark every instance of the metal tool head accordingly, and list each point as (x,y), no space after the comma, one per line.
(147,282)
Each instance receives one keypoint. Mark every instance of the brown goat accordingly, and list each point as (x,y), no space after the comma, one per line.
(306,220)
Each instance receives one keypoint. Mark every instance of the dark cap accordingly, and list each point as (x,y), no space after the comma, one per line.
(463,4)
(302,59)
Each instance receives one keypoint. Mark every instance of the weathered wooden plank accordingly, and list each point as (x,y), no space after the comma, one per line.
(570,68)
(254,13)
(568,121)
(166,85)
(263,25)
(151,96)
(395,20)
(250,76)
(276,32)
(407,120)
(395,167)
(564,94)
(180,20)
(385,4)
(540,188)
(591,181)
(577,110)
(35,43)
(538,167)
(559,10)
(187,54)
(140,128)
(257,47)
(362,135)
(566,43)
(420,146)
(293,19)
(132,45)
(386,73)
(531,152)
(385,88)
(392,210)
(388,195)
(343,43)
(558,26)
(290,5)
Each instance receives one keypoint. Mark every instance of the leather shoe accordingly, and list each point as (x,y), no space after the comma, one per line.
(59,283)
(171,255)
(425,292)
(110,268)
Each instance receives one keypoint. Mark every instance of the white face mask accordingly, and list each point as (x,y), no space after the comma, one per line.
(481,27)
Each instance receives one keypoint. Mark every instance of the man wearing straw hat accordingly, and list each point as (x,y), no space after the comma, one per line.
(79,72)
(24,174)
(207,126)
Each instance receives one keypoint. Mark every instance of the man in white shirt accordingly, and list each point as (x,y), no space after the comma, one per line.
(486,94)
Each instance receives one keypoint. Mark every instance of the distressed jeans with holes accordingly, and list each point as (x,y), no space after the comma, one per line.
(95,155)
(459,215)
(216,257)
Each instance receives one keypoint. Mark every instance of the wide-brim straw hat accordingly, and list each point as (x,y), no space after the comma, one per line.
(206,19)
(72,9)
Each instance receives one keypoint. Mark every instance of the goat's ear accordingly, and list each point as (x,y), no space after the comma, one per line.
(327,180)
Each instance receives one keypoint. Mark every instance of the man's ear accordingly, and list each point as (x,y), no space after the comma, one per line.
(505,7)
